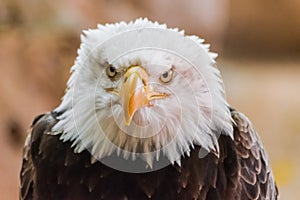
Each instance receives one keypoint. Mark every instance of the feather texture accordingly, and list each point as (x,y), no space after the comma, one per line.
(51,170)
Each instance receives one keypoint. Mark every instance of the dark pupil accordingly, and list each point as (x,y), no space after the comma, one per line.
(112,69)
(165,75)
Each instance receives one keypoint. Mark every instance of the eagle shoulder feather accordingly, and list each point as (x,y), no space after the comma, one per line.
(31,151)
(256,179)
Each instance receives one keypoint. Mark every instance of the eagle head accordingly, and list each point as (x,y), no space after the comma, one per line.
(142,93)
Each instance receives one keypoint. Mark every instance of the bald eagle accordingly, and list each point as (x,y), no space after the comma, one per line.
(144,117)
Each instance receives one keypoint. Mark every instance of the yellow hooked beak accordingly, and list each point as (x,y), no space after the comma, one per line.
(135,92)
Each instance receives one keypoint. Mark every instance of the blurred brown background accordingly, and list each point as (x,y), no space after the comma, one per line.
(258,42)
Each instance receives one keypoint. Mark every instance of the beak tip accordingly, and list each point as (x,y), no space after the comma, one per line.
(127,121)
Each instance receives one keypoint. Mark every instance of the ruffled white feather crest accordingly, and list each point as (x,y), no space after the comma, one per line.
(195,114)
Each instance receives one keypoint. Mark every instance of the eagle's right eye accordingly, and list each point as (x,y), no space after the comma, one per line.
(111,71)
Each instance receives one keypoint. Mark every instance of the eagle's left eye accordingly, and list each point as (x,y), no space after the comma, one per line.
(167,76)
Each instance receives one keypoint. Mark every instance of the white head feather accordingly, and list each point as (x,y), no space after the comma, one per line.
(195,113)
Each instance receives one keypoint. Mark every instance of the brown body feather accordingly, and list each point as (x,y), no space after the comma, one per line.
(51,170)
